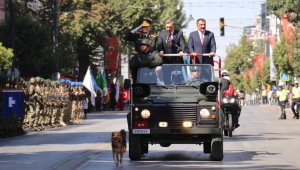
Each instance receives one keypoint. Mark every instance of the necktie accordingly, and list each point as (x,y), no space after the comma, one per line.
(169,40)
(201,37)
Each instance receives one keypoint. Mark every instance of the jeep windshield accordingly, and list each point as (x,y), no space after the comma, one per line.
(176,74)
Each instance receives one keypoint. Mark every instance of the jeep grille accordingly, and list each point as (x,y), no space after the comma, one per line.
(175,115)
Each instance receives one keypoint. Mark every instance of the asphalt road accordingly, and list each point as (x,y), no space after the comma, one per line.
(261,142)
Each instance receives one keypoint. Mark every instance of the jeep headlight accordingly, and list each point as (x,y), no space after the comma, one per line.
(145,114)
(225,100)
(232,100)
(204,113)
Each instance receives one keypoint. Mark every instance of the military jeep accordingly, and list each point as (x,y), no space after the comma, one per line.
(168,108)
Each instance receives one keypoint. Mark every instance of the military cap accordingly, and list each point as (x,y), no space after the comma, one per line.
(38,79)
(32,80)
(145,22)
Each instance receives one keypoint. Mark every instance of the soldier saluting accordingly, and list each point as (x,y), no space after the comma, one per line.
(141,32)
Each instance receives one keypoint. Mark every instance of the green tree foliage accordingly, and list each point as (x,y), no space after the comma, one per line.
(266,71)
(83,26)
(256,82)
(246,83)
(280,7)
(280,57)
(295,61)
(33,53)
(6,55)
(292,8)
(239,56)
(127,14)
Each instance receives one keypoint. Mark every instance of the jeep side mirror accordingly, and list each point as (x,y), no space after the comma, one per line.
(127,83)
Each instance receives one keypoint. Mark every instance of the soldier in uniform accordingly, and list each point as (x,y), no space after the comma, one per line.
(145,58)
(32,98)
(68,110)
(63,97)
(73,95)
(141,32)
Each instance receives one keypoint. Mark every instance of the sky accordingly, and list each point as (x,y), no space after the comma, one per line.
(236,13)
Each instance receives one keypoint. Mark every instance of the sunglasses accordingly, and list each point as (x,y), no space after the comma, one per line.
(196,70)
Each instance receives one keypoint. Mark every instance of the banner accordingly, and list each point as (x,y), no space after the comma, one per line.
(112,53)
(13,103)
(101,82)
(258,63)
(290,33)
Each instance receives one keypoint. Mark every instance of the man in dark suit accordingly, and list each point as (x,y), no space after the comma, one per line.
(202,41)
(171,41)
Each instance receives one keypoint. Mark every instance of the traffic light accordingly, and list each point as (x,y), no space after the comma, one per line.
(222,27)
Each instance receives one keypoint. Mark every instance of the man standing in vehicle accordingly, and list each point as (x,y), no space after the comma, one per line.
(141,32)
(202,41)
(170,41)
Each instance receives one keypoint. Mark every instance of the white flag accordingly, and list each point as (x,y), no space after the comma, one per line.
(89,82)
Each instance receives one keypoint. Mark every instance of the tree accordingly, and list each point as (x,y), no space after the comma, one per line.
(280,7)
(290,8)
(256,82)
(6,55)
(266,71)
(33,57)
(280,57)
(84,25)
(239,56)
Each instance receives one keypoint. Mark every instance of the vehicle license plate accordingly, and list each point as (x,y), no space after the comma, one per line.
(141,131)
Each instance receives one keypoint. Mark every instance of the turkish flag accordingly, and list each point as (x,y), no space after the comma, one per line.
(126,94)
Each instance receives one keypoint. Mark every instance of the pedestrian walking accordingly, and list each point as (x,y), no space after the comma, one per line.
(295,99)
(85,107)
(282,99)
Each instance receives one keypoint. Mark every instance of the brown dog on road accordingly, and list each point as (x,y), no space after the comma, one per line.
(118,143)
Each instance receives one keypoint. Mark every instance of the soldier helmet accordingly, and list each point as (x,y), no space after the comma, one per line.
(224,73)
(226,77)
(145,22)
(38,79)
(145,42)
(32,80)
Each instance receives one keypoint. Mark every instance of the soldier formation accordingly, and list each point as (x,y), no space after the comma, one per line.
(47,104)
